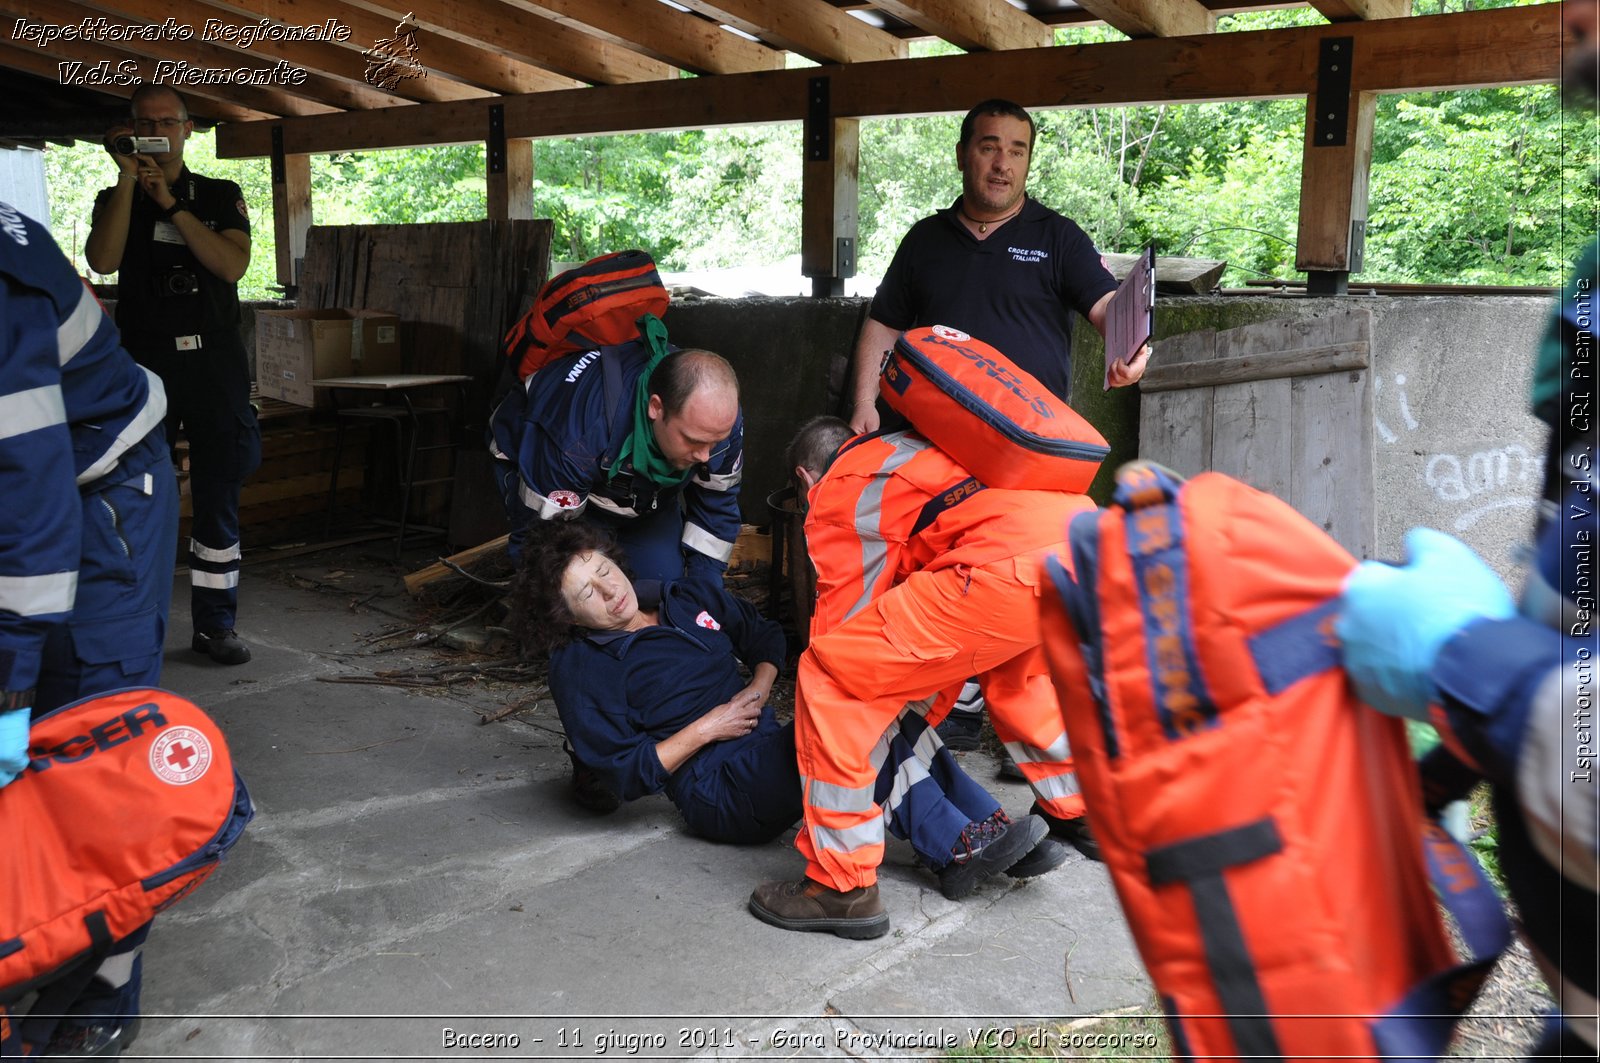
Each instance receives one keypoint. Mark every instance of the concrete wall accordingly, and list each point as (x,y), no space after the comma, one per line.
(1456,448)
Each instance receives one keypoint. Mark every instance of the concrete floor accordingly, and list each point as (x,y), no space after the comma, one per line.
(413,876)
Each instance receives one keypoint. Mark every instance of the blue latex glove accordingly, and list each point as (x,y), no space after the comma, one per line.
(1395,619)
(13,743)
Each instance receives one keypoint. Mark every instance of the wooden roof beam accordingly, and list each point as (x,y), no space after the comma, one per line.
(812,28)
(1350,10)
(492,26)
(1465,50)
(1153,18)
(654,29)
(173,60)
(332,60)
(976,25)
(47,65)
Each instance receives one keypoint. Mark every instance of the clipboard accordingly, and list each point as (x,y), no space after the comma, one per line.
(1131,314)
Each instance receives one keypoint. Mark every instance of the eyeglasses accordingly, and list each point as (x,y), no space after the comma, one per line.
(157,123)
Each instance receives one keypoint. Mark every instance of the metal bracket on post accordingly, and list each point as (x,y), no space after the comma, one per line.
(1358,243)
(1333,92)
(279,169)
(496,145)
(819,121)
(844,257)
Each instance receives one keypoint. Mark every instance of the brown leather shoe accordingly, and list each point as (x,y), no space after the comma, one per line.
(808,905)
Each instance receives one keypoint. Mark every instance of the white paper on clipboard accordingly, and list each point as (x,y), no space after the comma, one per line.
(1130,316)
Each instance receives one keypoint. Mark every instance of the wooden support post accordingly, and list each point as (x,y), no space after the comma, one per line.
(511,190)
(829,200)
(291,214)
(1335,169)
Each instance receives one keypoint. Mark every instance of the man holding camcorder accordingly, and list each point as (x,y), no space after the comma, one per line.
(179,243)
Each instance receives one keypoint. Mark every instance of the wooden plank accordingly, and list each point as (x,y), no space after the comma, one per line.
(333,60)
(1174,276)
(1175,429)
(529,38)
(154,56)
(993,25)
(654,29)
(812,28)
(1332,457)
(48,65)
(1169,377)
(419,579)
(443,58)
(1153,18)
(1459,50)
(1350,10)
(510,192)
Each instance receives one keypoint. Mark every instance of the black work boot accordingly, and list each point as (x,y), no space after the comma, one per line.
(224,646)
(1075,830)
(988,848)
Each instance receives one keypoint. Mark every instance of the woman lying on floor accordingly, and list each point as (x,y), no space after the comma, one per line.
(647,682)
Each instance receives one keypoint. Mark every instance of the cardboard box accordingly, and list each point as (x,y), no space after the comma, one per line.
(295,347)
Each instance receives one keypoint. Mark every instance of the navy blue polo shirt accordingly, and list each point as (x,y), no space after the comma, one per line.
(620,692)
(1015,290)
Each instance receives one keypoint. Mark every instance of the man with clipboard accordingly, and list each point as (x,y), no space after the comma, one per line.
(1010,271)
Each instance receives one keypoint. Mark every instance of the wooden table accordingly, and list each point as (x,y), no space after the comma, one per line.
(403,414)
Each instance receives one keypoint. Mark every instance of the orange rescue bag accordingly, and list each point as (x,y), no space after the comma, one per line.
(999,422)
(128,803)
(1264,829)
(597,304)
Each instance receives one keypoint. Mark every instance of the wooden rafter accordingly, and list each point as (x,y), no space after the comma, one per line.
(812,28)
(656,30)
(495,27)
(991,25)
(331,60)
(46,65)
(194,55)
(1462,50)
(1153,18)
(1349,10)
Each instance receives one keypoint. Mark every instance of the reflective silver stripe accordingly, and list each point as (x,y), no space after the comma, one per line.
(723,481)
(143,423)
(1058,751)
(22,412)
(217,557)
(546,509)
(1056,786)
(835,798)
(847,841)
(220,581)
(697,538)
(79,328)
(869,515)
(496,452)
(39,595)
(611,505)
(908,774)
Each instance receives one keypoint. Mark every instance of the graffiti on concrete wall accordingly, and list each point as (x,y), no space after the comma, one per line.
(1497,476)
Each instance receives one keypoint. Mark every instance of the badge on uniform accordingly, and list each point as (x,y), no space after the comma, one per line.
(706,620)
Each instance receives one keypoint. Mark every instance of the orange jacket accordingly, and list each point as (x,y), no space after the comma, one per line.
(895,504)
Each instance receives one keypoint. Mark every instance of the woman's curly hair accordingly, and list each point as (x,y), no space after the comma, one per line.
(539,615)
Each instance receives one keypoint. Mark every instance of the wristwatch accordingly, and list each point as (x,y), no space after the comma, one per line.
(177,205)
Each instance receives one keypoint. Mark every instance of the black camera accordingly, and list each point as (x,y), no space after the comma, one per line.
(126,145)
(177,281)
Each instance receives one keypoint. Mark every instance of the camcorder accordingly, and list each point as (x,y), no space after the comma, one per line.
(126,145)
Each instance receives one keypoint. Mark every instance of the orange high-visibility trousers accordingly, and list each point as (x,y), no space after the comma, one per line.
(915,641)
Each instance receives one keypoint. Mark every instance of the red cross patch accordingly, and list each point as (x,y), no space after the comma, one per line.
(566,499)
(706,620)
(180,755)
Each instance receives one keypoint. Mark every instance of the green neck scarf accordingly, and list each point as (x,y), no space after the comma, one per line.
(641,447)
